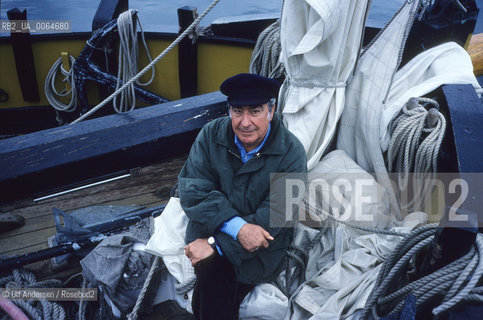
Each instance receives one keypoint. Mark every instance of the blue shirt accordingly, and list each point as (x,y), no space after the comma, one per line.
(233,226)
(245,156)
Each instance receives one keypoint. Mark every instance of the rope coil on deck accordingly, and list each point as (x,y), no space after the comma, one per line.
(35,309)
(456,282)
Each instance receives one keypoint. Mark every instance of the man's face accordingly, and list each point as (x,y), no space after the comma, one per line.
(250,124)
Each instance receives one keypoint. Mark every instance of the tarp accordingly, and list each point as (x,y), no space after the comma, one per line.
(320,43)
(119,267)
(344,263)
(359,125)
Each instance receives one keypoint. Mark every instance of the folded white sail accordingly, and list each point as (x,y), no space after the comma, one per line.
(320,44)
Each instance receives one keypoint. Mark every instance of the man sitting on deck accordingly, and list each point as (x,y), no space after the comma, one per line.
(224,190)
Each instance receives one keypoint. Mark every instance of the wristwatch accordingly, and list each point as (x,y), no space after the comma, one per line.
(212,242)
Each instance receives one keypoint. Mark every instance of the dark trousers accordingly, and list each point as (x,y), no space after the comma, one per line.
(216,294)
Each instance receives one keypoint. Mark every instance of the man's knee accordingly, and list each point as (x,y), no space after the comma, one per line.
(214,266)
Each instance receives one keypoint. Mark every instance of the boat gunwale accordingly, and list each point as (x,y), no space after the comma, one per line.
(150,35)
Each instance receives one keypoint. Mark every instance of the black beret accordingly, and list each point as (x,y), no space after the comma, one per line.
(248,89)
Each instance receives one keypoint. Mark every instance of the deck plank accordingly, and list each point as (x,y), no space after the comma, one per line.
(149,187)
(147,199)
(163,174)
(23,242)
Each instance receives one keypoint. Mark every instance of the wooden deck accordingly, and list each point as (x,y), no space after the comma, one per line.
(148,186)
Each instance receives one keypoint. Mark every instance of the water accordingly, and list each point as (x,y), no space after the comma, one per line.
(158,15)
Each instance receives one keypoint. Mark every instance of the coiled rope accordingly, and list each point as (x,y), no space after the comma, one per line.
(128,58)
(51,92)
(35,309)
(459,281)
(456,282)
(295,267)
(150,65)
(416,138)
(127,68)
(265,60)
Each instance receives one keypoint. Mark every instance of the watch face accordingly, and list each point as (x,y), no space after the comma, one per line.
(211,241)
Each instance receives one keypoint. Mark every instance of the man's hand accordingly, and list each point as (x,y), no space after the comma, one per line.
(198,250)
(252,237)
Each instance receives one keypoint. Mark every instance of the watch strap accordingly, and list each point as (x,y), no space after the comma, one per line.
(212,243)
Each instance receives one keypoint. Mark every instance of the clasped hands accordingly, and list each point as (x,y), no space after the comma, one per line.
(250,236)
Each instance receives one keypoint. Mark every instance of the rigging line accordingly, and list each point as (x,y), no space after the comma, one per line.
(149,66)
(320,212)
(154,268)
(128,57)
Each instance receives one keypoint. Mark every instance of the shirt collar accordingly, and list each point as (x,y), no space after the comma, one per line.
(245,156)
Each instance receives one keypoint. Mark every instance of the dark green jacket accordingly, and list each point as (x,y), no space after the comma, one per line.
(215,186)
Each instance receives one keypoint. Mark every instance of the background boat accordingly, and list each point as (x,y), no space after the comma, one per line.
(223,48)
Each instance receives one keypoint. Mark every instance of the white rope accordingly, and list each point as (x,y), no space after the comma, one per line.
(51,92)
(185,287)
(159,57)
(416,138)
(128,57)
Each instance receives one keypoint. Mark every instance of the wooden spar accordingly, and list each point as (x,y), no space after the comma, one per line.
(466,116)
(475,49)
(24,58)
(106,11)
(47,159)
(188,54)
